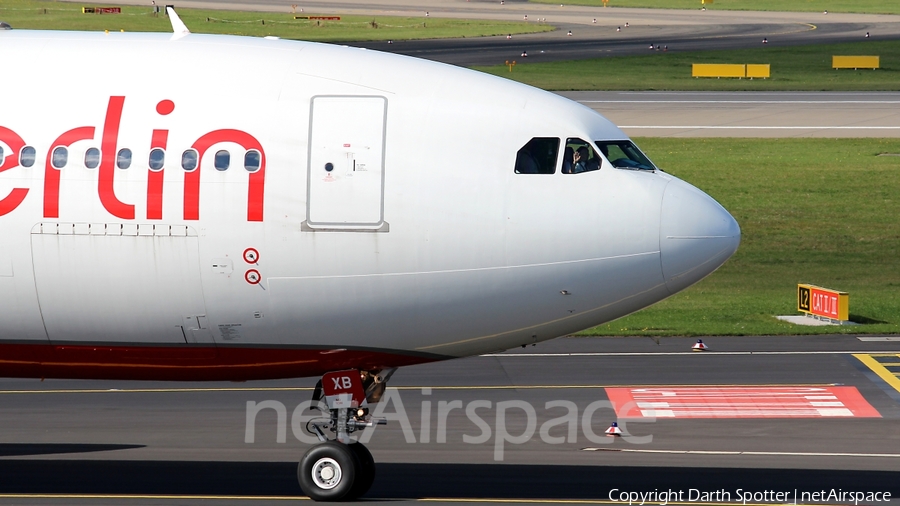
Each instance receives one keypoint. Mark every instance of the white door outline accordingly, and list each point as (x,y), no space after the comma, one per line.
(346,133)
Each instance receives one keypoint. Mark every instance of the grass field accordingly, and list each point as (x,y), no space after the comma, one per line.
(820,211)
(68,16)
(800,68)
(861,6)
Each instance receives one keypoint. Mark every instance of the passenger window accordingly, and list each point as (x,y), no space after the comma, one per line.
(579,157)
(222,160)
(27,156)
(625,155)
(123,159)
(157,159)
(538,156)
(60,157)
(189,160)
(251,161)
(92,158)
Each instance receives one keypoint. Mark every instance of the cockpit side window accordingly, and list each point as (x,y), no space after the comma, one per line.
(579,157)
(625,155)
(538,156)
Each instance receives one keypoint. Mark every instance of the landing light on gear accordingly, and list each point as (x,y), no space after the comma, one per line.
(342,469)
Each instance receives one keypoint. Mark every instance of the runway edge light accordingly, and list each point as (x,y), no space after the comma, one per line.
(699,346)
(614,430)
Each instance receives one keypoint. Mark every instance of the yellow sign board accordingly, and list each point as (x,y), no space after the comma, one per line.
(718,70)
(738,70)
(758,71)
(823,302)
(855,62)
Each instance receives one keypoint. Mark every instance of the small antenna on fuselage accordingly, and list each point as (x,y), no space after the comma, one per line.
(178,26)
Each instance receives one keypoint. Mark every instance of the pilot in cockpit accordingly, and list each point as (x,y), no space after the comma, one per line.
(568,161)
(581,158)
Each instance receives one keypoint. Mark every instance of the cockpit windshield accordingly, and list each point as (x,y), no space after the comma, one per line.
(625,155)
(579,157)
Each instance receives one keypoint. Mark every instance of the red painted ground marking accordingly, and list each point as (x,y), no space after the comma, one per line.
(740,402)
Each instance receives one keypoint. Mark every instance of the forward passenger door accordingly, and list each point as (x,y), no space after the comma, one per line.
(346,162)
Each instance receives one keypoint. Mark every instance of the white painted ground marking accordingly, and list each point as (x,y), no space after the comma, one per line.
(735,402)
(835,412)
(730,402)
(879,339)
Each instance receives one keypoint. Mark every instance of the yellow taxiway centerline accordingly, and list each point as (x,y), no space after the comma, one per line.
(878,368)
(309,389)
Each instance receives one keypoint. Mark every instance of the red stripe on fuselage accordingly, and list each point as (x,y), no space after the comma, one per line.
(187,363)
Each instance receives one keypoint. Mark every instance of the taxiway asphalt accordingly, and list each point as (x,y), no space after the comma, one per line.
(94,442)
(748,114)
(675,114)
(594,29)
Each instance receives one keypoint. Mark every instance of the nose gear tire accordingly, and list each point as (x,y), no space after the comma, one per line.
(329,471)
(366,475)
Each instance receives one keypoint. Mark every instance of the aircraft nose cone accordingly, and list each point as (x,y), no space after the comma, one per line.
(697,235)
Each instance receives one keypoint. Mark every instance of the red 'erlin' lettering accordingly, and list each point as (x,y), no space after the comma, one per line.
(51,175)
(17,195)
(256,187)
(155,178)
(108,162)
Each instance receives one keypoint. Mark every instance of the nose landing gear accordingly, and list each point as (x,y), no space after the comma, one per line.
(342,469)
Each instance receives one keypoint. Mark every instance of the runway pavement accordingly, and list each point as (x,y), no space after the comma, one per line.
(101,442)
(610,36)
(748,114)
(593,29)
(677,114)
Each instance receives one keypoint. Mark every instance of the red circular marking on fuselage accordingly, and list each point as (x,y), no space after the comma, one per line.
(165,107)
(251,256)
(252,276)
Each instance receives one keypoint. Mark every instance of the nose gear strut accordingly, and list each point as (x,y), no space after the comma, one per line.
(341,468)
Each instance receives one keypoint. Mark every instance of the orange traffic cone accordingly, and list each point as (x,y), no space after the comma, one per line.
(614,430)
(699,346)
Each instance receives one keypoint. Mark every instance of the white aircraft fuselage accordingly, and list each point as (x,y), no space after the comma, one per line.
(229,208)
